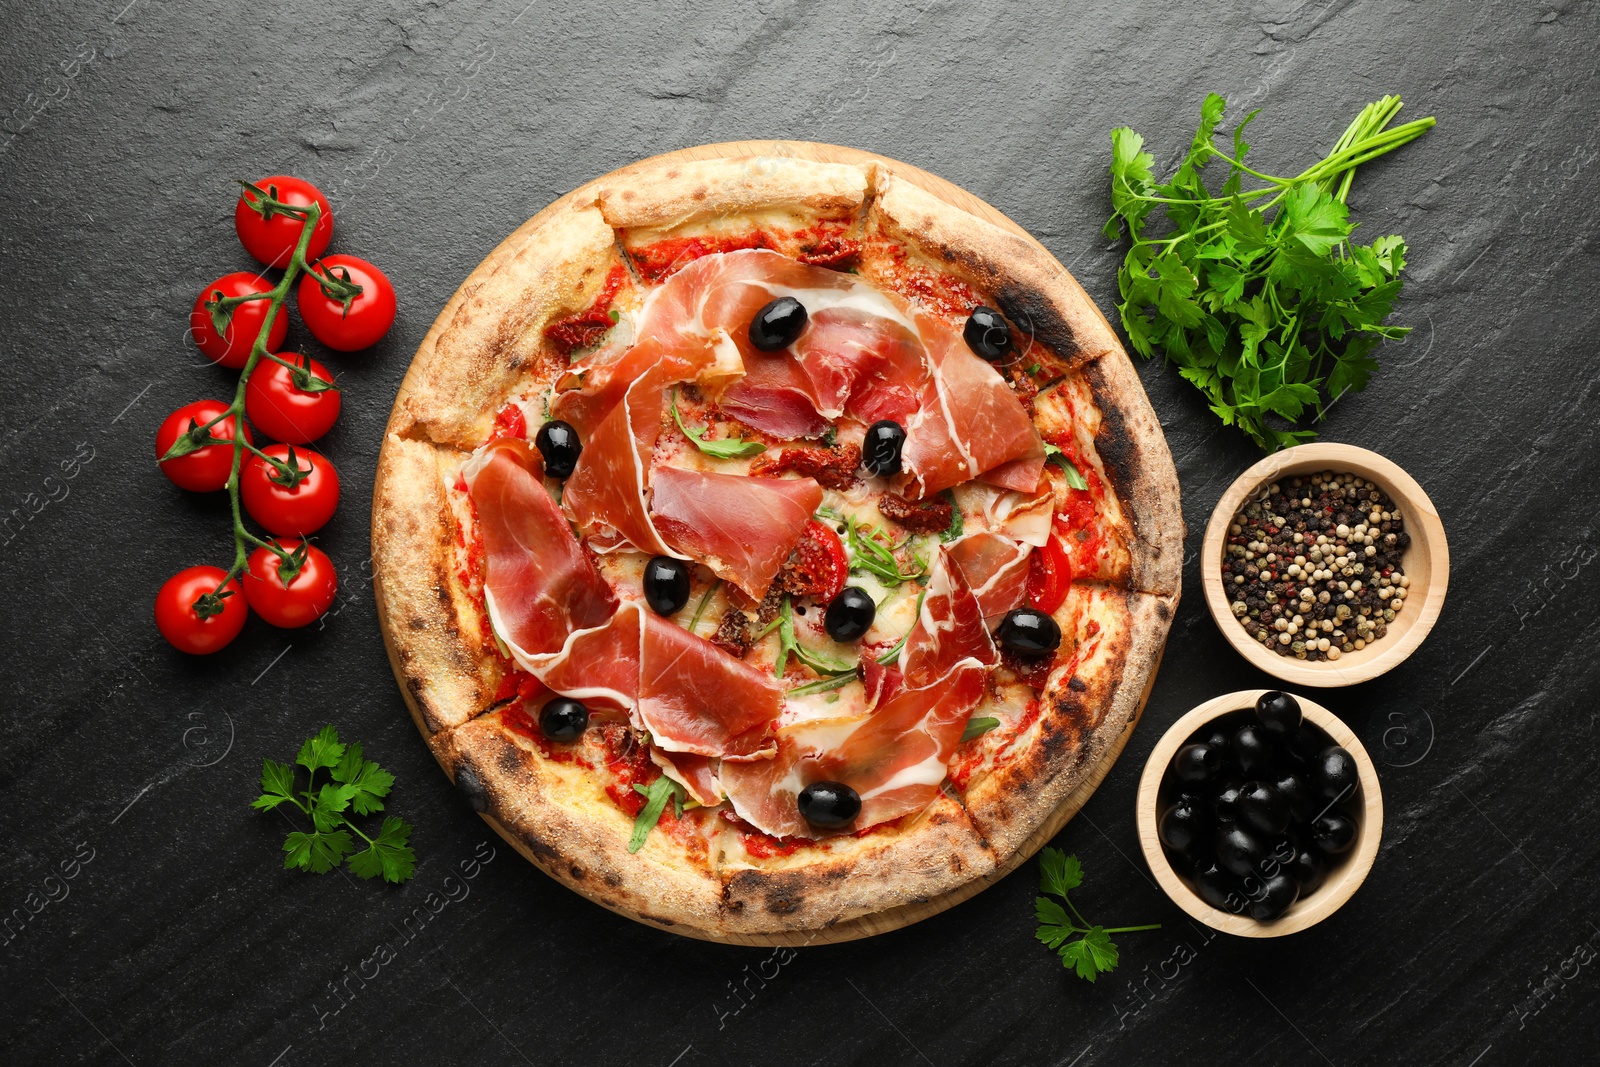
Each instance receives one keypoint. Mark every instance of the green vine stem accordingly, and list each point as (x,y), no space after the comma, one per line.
(287,473)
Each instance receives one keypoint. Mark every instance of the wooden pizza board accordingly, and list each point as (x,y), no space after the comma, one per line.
(894,918)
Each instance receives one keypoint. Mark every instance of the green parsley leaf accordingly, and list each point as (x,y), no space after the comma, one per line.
(1260,298)
(357,788)
(655,802)
(978,727)
(1084,947)
(720,448)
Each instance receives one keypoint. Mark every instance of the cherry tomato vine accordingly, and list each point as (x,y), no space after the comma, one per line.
(347,304)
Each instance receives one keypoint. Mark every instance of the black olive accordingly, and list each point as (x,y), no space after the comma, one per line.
(1295,789)
(1196,763)
(1279,714)
(1220,889)
(1306,743)
(558,443)
(1308,869)
(1239,851)
(987,334)
(1333,833)
(778,324)
(829,804)
(1217,737)
(1261,807)
(1225,803)
(1182,827)
(1335,774)
(1252,752)
(1274,897)
(880,449)
(666,585)
(850,614)
(563,719)
(1029,632)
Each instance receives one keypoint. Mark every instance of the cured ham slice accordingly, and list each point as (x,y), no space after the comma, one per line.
(995,568)
(697,774)
(605,495)
(969,423)
(895,758)
(742,528)
(948,630)
(775,397)
(539,584)
(695,698)
(1025,517)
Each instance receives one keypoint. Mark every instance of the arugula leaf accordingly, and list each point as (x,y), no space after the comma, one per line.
(720,448)
(1074,477)
(1259,298)
(957,523)
(655,802)
(978,727)
(357,788)
(1084,947)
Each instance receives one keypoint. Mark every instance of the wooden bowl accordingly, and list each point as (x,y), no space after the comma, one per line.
(1426,562)
(1340,885)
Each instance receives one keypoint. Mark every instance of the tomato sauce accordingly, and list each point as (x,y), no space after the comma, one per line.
(628,762)
(657,261)
(586,328)
(509,422)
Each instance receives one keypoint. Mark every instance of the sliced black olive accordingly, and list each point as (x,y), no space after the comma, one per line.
(1239,851)
(1029,632)
(1333,833)
(1279,714)
(563,719)
(1182,827)
(1308,869)
(1220,889)
(880,449)
(1196,763)
(1262,808)
(1273,897)
(850,614)
(558,443)
(1335,774)
(666,585)
(1252,752)
(829,804)
(987,334)
(1296,789)
(778,324)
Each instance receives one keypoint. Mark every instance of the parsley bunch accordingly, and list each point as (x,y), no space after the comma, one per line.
(1081,945)
(1258,296)
(358,787)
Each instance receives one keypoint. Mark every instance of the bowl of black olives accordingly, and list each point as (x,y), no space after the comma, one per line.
(1259,813)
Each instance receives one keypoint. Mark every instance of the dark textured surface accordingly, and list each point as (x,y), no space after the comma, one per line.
(436,129)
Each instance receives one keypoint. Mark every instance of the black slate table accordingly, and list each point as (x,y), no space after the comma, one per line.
(436,129)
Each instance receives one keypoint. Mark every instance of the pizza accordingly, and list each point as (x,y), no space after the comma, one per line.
(765,544)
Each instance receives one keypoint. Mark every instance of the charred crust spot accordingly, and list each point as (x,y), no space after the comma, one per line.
(1113,442)
(509,760)
(539,846)
(417,623)
(1076,684)
(657,919)
(415,684)
(472,788)
(1163,611)
(612,879)
(1036,319)
(780,902)
(577,872)
(698,194)
(955,863)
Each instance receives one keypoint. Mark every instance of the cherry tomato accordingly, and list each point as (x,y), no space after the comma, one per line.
(272,240)
(232,347)
(181,622)
(821,558)
(306,598)
(1049,575)
(283,411)
(509,422)
(299,510)
(204,470)
(369,315)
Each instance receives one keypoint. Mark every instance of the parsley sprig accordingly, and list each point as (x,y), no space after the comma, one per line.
(358,787)
(1258,296)
(1082,946)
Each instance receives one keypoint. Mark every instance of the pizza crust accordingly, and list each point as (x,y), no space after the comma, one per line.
(434,631)
(745,190)
(490,337)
